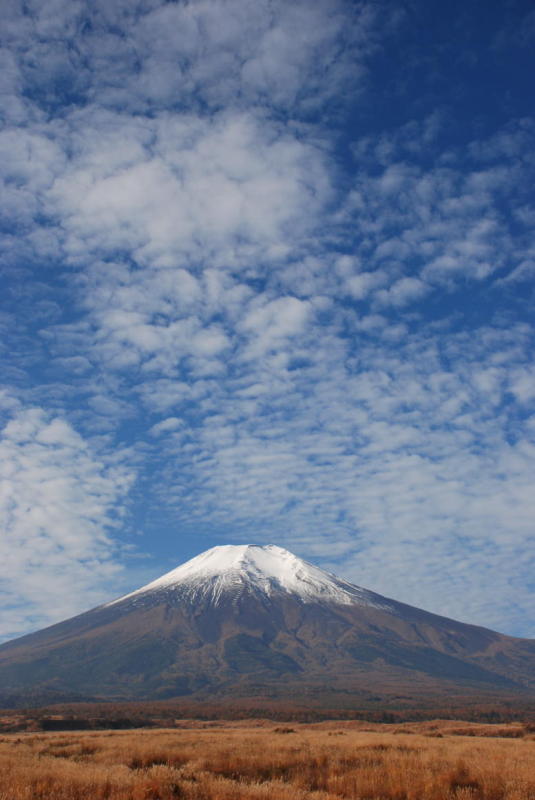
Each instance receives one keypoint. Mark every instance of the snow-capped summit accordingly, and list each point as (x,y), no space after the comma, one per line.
(265,570)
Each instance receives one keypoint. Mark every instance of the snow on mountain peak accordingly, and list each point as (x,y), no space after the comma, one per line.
(265,569)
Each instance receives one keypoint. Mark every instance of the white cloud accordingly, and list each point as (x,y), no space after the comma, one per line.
(523,384)
(166,425)
(59,502)
(196,187)
(228,54)
(361,285)
(270,323)
(402,292)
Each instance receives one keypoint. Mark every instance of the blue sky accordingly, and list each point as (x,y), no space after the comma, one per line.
(267,276)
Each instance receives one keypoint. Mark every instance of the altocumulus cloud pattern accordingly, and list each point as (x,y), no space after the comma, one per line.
(267,274)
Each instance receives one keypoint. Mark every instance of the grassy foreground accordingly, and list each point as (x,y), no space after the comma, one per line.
(426,761)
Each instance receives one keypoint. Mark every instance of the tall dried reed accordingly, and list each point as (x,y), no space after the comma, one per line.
(251,763)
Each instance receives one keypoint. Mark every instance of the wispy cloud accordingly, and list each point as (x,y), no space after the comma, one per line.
(60,503)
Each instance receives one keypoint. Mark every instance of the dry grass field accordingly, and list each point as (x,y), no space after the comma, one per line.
(260,761)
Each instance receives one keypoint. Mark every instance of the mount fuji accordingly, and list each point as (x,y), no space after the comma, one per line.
(225,572)
(250,620)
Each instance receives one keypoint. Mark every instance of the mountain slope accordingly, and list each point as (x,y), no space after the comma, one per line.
(251,619)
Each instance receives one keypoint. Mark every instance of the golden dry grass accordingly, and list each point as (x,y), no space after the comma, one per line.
(325,762)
